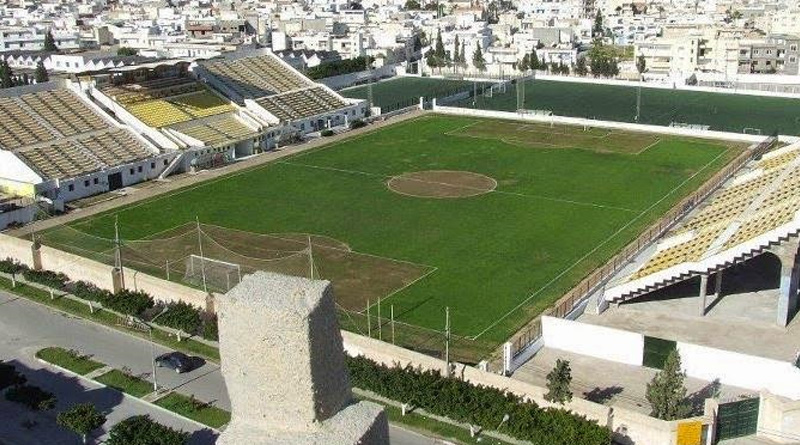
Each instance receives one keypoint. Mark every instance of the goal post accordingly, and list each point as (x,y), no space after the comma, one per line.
(751,130)
(217,274)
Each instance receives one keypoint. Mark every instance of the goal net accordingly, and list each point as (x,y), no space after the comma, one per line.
(220,276)
(689,126)
(750,130)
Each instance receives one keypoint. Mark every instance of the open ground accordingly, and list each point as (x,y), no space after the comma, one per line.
(561,202)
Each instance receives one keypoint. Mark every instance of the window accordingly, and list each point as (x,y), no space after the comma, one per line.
(71,187)
(132,171)
(165,162)
(96,181)
(86,183)
(152,165)
(792,47)
(792,59)
(139,169)
(755,51)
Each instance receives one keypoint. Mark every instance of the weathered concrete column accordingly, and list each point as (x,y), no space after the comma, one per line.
(283,363)
(117,280)
(718,284)
(703,292)
(790,275)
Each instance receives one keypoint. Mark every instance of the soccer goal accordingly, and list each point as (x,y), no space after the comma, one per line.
(212,274)
(689,126)
(751,130)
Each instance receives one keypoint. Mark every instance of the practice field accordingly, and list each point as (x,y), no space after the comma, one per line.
(727,112)
(401,92)
(493,219)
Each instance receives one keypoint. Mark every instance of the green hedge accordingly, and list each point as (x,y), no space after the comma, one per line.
(339,67)
(478,405)
(143,430)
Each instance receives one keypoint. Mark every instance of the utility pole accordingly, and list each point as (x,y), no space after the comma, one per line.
(369,322)
(310,259)
(380,324)
(369,84)
(447,340)
(118,253)
(202,258)
(638,103)
(391,314)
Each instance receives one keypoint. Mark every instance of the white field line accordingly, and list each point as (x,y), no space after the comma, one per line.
(658,141)
(596,248)
(402,288)
(546,198)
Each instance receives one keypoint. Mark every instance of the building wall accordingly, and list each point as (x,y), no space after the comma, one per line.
(594,341)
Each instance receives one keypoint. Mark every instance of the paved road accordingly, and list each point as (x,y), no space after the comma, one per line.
(26,327)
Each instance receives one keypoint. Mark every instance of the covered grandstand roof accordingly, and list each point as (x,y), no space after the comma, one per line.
(59,136)
(758,207)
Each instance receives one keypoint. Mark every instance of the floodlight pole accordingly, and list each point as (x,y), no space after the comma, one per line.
(202,258)
(369,322)
(310,259)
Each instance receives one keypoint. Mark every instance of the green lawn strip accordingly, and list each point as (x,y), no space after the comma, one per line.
(69,359)
(126,383)
(420,423)
(110,319)
(196,410)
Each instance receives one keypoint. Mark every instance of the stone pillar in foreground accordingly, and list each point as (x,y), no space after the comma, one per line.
(283,363)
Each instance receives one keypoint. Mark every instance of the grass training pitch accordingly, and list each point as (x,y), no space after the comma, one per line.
(554,204)
(725,112)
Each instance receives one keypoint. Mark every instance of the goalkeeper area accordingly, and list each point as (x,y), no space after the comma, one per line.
(493,220)
(216,258)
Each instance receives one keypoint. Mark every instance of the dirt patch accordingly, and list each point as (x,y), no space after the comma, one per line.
(442,184)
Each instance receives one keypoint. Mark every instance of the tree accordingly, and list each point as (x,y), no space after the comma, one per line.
(533,62)
(143,430)
(666,393)
(41,73)
(439,47)
(430,59)
(456,53)
(35,398)
(477,58)
(641,64)
(553,67)
(524,63)
(81,419)
(125,51)
(563,68)
(558,381)
(580,66)
(597,30)
(412,5)
(50,42)
(463,56)
(6,75)
(9,376)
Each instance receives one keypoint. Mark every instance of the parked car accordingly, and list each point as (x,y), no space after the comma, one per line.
(178,362)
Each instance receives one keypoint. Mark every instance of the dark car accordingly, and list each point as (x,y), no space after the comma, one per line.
(179,362)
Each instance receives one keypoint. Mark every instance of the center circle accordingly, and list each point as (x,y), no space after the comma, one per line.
(441,184)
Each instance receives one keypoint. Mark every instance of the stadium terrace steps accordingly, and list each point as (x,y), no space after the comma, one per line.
(257,76)
(760,210)
(302,103)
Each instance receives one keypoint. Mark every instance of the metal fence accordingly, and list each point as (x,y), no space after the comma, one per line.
(567,303)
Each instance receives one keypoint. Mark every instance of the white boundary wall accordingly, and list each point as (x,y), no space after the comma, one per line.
(741,370)
(702,362)
(595,341)
(673,131)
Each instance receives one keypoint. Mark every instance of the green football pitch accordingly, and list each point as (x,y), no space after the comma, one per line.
(401,92)
(725,112)
(493,219)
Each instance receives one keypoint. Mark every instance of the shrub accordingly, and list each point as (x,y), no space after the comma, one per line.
(11,266)
(81,419)
(128,302)
(143,430)
(210,328)
(9,376)
(326,133)
(182,316)
(478,405)
(358,123)
(33,397)
(56,280)
(88,291)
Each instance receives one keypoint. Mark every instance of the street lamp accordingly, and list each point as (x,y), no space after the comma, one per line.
(152,345)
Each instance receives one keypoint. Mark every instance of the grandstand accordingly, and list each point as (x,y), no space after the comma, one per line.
(50,133)
(754,212)
(220,130)
(279,92)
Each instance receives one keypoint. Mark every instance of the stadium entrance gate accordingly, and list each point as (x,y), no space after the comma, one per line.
(737,418)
